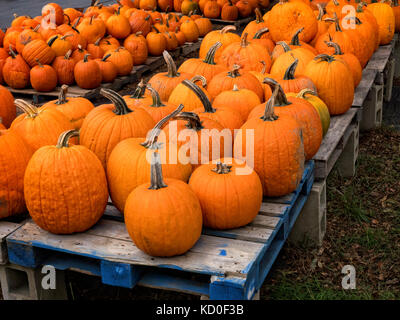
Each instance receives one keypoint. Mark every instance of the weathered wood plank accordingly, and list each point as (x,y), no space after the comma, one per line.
(380,58)
(108,240)
(363,88)
(6,228)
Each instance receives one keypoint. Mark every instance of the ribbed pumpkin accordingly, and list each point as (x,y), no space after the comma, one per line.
(38,50)
(384,16)
(266,42)
(198,138)
(287,17)
(226,80)
(229,11)
(39,127)
(245,54)
(285,60)
(290,83)
(75,109)
(14,157)
(261,76)
(136,44)
(280,162)
(94,49)
(128,165)
(16,72)
(318,104)
(204,25)
(366,17)
(118,25)
(223,36)
(76,181)
(204,67)
(122,59)
(43,78)
(254,26)
(302,111)
(225,202)
(163,218)
(64,67)
(140,21)
(7,110)
(165,82)
(351,60)
(182,94)
(156,42)
(109,124)
(108,69)
(87,73)
(25,36)
(334,82)
(190,30)
(240,100)
(228,118)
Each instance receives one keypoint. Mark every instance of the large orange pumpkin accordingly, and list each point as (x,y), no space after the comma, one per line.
(7,109)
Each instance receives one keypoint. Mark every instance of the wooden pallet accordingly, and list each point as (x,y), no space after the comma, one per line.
(229,264)
(151,64)
(238,23)
(7,226)
(341,128)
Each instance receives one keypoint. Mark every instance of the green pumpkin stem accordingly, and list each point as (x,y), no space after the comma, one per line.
(155,96)
(151,141)
(280,99)
(62,96)
(295,39)
(200,94)
(222,168)
(86,57)
(121,108)
(209,59)
(289,73)
(63,139)
(156,177)
(172,72)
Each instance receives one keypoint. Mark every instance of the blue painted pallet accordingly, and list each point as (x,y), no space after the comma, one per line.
(230,264)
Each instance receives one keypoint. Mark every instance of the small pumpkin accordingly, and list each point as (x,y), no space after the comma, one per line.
(385,18)
(256,25)
(156,42)
(60,45)
(229,11)
(64,68)
(118,25)
(140,21)
(139,97)
(77,201)
(43,78)
(92,28)
(108,70)
(87,73)
(7,110)
(163,228)
(79,54)
(190,30)
(122,59)
(136,44)
(38,50)
(16,72)
(94,49)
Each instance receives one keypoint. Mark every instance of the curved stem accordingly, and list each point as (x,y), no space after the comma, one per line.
(295,39)
(63,139)
(155,96)
(62,97)
(289,73)
(172,72)
(85,58)
(68,55)
(284,45)
(320,12)
(139,91)
(12,53)
(211,53)
(152,139)
(264,67)
(201,95)
(228,28)
(106,57)
(27,108)
(244,43)
(336,46)
(269,114)
(199,78)
(235,71)
(280,99)
(52,40)
(260,32)
(192,119)
(324,57)
(305,91)
(156,177)
(259,17)
(222,168)
(121,108)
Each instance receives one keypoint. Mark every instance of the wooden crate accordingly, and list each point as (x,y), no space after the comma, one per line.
(229,264)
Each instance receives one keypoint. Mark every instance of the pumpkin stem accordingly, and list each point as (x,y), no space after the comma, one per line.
(211,53)
(201,95)
(289,73)
(280,99)
(38,62)
(62,96)
(12,53)
(52,40)
(305,91)
(269,114)
(151,141)
(284,45)
(106,57)
(235,71)
(244,43)
(199,78)
(325,57)
(66,36)
(259,17)
(320,12)
(264,66)
(68,55)
(295,39)
(155,96)
(260,32)
(336,46)
(227,28)
(97,43)
(156,177)
(222,168)
(172,72)
(235,87)
(121,108)
(63,139)
(139,91)
(85,58)
(192,118)
(76,23)
(27,108)
(336,21)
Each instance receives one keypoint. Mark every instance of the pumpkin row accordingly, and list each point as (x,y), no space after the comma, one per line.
(32,52)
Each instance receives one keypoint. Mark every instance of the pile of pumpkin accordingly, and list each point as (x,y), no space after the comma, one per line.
(89,48)
(269,116)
